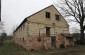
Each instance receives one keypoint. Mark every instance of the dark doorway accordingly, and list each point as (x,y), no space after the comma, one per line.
(53,42)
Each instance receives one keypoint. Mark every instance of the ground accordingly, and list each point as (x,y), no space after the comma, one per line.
(13,49)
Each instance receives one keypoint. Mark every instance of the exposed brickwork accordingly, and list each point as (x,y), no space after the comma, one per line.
(31,33)
(44,43)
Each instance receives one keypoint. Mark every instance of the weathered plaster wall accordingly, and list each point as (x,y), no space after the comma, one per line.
(39,22)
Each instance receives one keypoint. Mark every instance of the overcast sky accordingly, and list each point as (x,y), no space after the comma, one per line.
(14,11)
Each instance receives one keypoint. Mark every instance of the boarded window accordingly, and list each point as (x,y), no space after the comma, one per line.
(47,14)
(48,31)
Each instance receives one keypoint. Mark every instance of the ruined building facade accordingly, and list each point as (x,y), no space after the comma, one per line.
(46,29)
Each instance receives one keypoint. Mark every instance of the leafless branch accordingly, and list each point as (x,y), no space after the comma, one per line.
(84,27)
(75,8)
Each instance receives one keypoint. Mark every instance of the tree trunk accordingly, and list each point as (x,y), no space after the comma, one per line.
(82,36)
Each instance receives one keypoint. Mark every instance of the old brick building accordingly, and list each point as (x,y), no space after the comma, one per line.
(43,30)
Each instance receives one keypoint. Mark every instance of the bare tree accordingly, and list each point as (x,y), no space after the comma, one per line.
(1,27)
(2,32)
(75,30)
(13,29)
(75,9)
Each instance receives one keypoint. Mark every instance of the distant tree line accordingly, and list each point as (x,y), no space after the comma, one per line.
(4,37)
(3,34)
(76,37)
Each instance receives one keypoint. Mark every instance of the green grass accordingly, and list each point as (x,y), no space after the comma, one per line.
(13,49)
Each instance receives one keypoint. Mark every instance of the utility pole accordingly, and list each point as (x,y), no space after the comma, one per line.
(0,10)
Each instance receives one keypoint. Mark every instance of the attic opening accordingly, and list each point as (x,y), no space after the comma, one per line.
(47,14)
(57,17)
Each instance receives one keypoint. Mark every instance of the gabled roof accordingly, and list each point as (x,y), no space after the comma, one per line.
(21,24)
(32,15)
(41,10)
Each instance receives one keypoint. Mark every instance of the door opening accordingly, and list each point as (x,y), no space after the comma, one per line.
(53,42)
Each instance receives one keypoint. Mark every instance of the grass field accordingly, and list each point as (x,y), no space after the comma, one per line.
(13,49)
